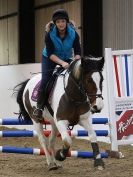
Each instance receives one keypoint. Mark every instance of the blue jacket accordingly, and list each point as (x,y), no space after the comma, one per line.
(62,48)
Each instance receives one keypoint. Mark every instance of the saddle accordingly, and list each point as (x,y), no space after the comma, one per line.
(50,85)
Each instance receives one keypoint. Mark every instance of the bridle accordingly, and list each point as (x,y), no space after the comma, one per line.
(81,89)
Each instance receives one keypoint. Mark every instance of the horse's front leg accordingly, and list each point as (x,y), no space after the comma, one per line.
(44,144)
(52,139)
(87,124)
(61,154)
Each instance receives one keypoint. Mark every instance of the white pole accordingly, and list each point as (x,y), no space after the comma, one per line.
(111,98)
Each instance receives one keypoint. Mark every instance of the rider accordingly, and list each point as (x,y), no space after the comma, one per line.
(61,41)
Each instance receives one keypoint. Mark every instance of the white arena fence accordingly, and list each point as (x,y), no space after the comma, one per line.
(119,73)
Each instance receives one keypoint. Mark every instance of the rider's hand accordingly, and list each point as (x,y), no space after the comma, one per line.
(65,65)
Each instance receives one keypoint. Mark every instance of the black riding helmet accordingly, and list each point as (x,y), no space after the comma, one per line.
(60,14)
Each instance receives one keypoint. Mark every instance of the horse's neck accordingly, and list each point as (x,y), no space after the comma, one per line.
(73,85)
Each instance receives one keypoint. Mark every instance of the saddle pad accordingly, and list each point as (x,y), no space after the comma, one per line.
(49,87)
(35,91)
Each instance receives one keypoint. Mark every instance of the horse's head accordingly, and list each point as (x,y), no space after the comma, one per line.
(92,81)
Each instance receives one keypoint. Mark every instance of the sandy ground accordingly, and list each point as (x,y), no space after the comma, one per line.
(20,165)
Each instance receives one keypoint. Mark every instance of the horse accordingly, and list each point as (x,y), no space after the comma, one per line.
(77,94)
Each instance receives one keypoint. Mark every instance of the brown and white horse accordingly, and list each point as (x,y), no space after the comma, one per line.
(76,95)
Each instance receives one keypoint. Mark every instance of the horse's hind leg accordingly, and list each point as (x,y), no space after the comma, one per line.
(44,144)
(87,124)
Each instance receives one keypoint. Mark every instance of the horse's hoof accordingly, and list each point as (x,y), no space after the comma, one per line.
(59,155)
(53,166)
(99,164)
(100,168)
(59,165)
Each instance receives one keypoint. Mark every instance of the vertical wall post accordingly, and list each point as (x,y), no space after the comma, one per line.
(26,31)
(92,27)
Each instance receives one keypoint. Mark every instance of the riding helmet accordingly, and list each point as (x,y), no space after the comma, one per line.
(60,14)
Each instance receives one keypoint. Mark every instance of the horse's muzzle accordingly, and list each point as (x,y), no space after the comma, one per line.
(94,109)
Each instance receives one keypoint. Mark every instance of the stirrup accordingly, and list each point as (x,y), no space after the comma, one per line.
(38,113)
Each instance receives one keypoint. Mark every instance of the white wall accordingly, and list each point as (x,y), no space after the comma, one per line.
(10,76)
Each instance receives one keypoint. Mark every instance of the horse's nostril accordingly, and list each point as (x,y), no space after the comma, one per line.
(95,107)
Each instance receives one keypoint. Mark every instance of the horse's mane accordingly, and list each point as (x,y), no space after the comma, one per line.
(75,68)
(92,63)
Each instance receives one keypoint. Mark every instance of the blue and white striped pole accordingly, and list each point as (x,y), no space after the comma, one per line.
(16,121)
(35,151)
(28,133)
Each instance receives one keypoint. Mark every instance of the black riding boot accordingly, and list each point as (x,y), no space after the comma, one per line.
(41,101)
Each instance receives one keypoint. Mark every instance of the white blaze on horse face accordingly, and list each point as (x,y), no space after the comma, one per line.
(96,78)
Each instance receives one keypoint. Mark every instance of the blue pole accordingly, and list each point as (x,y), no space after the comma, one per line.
(18,150)
(28,133)
(86,154)
(127,75)
(98,133)
(16,121)
(17,133)
(100,120)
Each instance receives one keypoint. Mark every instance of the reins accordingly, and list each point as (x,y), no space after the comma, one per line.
(82,91)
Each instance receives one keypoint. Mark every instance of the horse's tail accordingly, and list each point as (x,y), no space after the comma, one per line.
(23,112)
